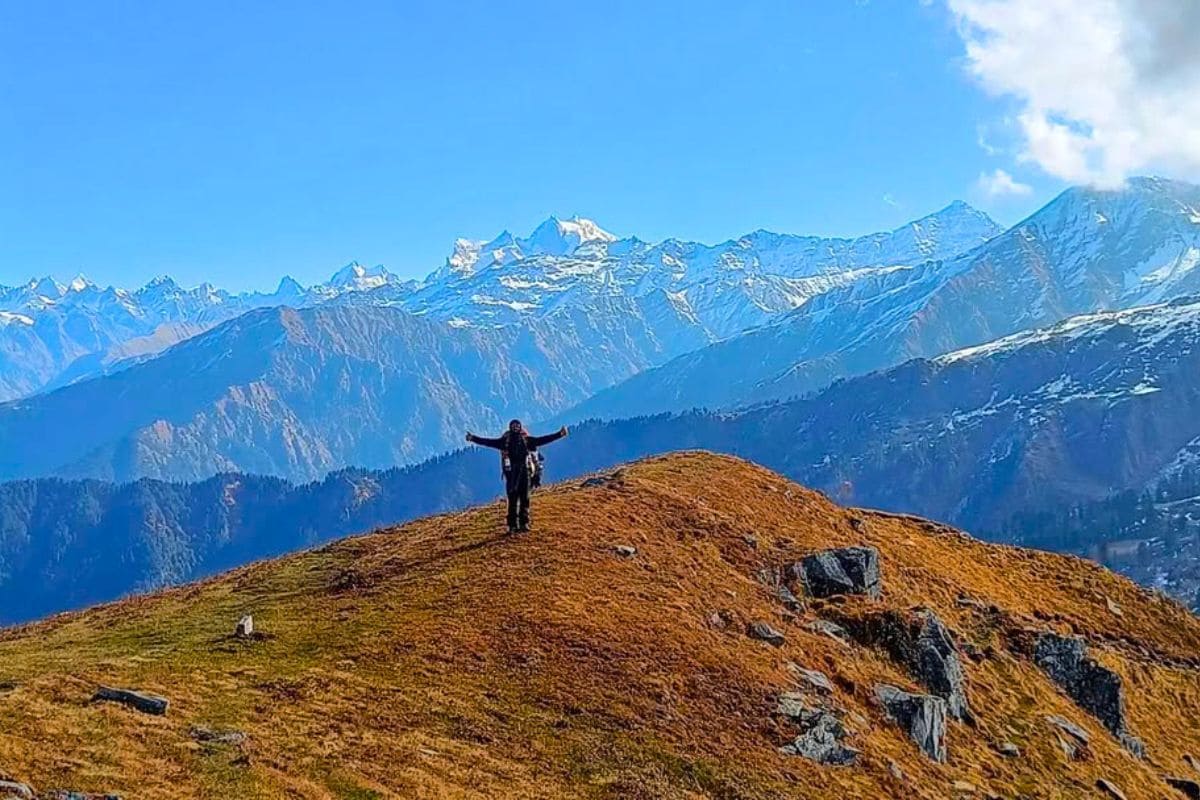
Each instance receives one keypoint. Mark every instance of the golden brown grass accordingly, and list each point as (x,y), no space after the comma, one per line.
(441,659)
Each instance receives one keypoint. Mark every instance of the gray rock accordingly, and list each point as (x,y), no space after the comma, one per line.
(625,550)
(789,600)
(601,480)
(67,794)
(791,705)
(245,627)
(1078,733)
(1009,750)
(925,647)
(812,677)
(822,733)
(1094,687)
(936,665)
(923,716)
(1110,789)
(12,789)
(830,629)
(843,570)
(1186,786)
(203,734)
(764,632)
(142,701)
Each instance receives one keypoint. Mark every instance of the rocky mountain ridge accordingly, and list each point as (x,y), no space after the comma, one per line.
(684,293)
(1086,251)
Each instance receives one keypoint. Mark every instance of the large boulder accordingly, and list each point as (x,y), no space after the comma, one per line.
(842,570)
(1094,688)
(923,716)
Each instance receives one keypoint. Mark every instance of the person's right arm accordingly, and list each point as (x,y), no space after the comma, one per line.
(496,444)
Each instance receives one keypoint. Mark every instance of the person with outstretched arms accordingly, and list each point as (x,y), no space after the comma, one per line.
(516,446)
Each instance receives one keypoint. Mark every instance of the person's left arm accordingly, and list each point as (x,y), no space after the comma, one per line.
(538,441)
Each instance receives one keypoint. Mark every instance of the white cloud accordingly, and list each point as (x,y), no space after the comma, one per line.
(888,200)
(999,183)
(1105,88)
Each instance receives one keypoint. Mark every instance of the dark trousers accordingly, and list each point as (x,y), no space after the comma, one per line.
(518,502)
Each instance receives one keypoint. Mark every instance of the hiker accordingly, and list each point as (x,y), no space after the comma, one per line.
(517,451)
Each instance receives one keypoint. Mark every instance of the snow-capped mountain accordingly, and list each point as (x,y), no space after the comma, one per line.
(1086,250)
(52,333)
(716,290)
(683,294)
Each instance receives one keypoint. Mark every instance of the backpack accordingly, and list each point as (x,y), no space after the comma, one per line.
(533,463)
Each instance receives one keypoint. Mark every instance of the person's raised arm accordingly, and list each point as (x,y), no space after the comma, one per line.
(496,444)
(538,441)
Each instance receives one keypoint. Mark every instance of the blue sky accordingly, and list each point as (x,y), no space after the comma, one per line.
(237,142)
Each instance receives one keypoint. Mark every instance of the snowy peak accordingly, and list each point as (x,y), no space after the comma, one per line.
(355,277)
(960,213)
(556,237)
(954,229)
(47,288)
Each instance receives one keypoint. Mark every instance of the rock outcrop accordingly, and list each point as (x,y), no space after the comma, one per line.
(764,632)
(1094,688)
(12,790)
(924,645)
(821,734)
(842,570)
(923,716)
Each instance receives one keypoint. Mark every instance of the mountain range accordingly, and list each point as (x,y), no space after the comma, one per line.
(1088,250)
(688,294)
(528,326)
(576,323)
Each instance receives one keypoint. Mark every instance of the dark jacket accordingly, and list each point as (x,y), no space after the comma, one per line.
(517,447)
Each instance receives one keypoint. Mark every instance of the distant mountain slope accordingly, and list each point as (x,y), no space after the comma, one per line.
(300,393)
(684,294)
(442,659)
(1097,404)
(1088,250)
